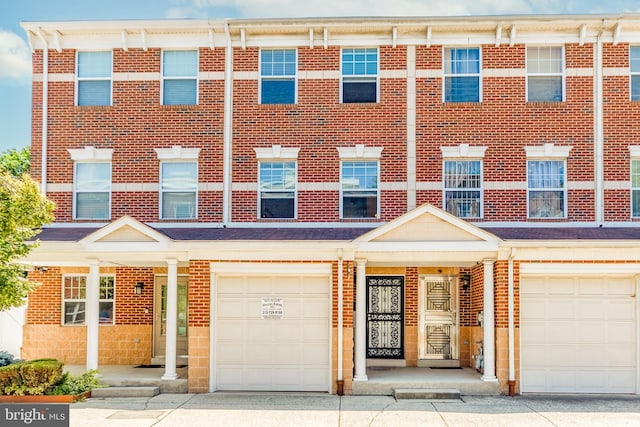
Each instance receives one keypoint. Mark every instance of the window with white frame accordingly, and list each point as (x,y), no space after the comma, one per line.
(93,78)
(92,190)
(74,301)
(179,190)
(359,75)
(545,73)
(278,76)
(277,189)
(463,188)
(546,188)
(635,188)
(359,188)
(634,66)
(462,74)
(179,77)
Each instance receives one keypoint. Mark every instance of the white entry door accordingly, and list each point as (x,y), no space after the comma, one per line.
(578,334)
(438,318)
(272,332)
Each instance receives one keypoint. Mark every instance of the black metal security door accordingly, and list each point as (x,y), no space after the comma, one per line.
(385,317)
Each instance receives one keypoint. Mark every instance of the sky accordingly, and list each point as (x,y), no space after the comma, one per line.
(15,55)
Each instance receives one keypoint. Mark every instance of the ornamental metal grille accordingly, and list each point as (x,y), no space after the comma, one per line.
(385,317)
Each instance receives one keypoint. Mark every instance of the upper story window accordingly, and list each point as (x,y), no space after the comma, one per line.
(277,189)
(359,75)
(634,65)
(545,74)
(278,76)
(92,190)
(74,300)
(463,188)
(179,190)
(462,74)
(91,182)
(93,78)
(546,188)
(179,77)
(635,188)
(360,189)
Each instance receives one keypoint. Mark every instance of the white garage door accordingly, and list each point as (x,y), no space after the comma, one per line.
(286,349)
(578,334)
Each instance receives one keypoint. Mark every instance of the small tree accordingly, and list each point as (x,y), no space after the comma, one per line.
(23,212)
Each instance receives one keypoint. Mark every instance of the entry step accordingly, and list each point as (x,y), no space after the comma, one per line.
(426,393)
(139,391)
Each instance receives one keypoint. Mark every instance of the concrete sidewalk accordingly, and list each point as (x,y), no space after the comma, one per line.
(300,409)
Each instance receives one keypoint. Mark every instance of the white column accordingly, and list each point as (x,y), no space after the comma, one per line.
(360,344)
(172,321)
(92,313)
(489,339)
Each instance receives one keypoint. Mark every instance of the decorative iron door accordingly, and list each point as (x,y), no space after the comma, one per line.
(438,307)
(385,317)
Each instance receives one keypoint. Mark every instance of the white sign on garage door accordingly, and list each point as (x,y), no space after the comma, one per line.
(275,353)
(578,334)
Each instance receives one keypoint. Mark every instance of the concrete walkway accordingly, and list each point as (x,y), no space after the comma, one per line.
(299,409)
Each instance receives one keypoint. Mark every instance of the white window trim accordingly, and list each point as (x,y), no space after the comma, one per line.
(464,152)
(547,151)
(366,76)
(196,76)
(564,189)
(90,154)
(359,152)
(445,75)
(177,152)
(360,159)
(86,276)
(563,74)
(78,79)
(277,152)
(75,190)
(295,190)
(634,152)
(294,76)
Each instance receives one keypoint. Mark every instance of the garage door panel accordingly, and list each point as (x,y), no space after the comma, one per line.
(230,285)
(579,343)
(282,354)
(561,309)
(563,286)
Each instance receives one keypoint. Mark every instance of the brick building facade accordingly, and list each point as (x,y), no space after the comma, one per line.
(285,204)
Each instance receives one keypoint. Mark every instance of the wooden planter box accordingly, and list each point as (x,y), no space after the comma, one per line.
(63,398)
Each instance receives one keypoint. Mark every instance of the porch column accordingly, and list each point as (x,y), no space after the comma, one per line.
(92,313)
(489,338)
(360,344)
(172,321)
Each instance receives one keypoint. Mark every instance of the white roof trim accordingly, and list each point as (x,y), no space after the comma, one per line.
(430,209)
(634,150)
(276,152)
(463,150)
(90,153)
(124,221)
(177,153)
(548,150)
(359,151)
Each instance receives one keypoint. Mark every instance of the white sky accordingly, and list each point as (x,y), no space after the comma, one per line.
(15,61)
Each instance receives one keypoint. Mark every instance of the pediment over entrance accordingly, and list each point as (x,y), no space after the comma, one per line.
(427,224)
(125,230)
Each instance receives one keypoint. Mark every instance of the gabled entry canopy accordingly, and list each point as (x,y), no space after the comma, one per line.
(135,234)
(428,236)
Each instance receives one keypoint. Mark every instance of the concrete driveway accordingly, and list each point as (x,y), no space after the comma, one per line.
(299,409)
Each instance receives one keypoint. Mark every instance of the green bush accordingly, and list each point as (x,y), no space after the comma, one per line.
(77,384)
(34,377)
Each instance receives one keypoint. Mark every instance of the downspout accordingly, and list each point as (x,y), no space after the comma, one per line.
(45,115)
(599,133)
(511,310)
(340,385)
(228,120)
